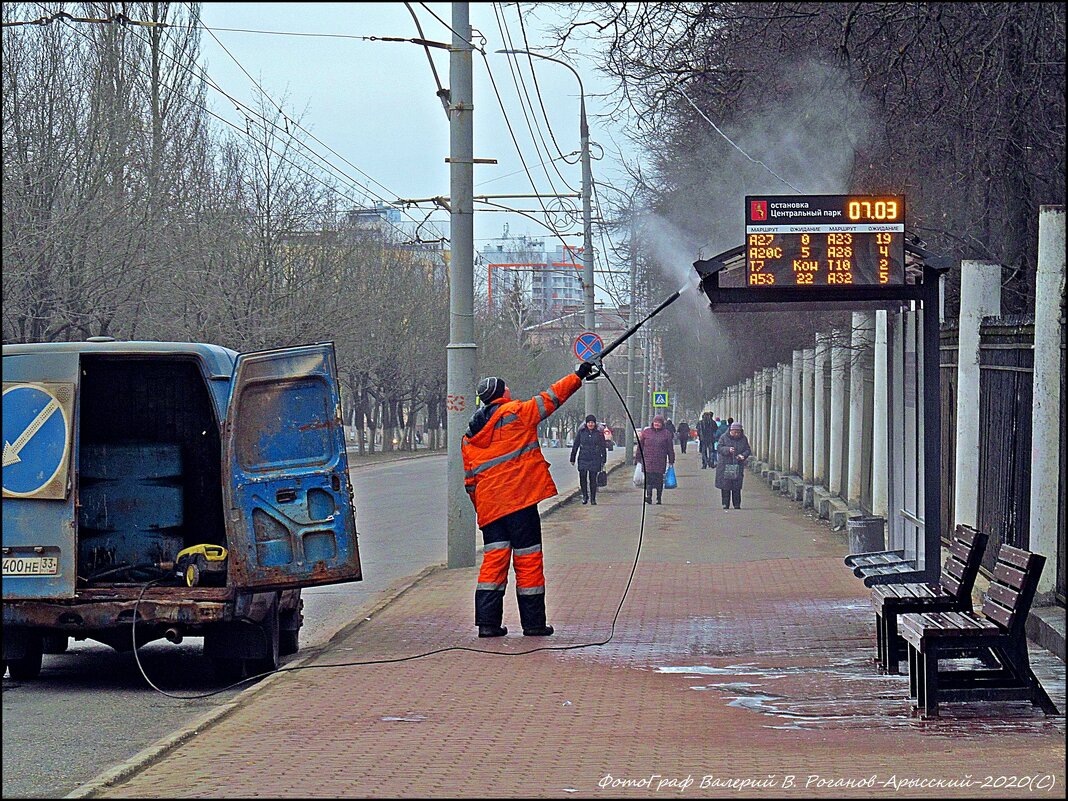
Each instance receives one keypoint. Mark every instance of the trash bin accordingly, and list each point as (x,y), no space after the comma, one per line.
(865,534)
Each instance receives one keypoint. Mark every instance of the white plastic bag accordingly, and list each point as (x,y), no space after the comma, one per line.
(639,477)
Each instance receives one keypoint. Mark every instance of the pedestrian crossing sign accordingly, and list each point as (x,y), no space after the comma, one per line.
(660,399)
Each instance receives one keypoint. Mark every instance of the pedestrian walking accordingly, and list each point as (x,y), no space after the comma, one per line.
(706,440)
(656,451)
(591,448)
(733,450)
(670,426)
(506,476)
(683,434)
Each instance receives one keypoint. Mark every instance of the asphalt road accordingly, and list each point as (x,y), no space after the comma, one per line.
(90,709)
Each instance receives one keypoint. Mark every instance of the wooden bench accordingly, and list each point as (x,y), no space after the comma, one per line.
(952,594)
(998,633)
(875,558)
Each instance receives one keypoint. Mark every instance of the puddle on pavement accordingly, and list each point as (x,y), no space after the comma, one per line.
(855,706)
(404,719)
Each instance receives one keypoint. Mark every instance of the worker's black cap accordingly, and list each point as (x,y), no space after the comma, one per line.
(489,389)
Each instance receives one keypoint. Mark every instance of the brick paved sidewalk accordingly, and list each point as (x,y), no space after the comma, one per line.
(742,653)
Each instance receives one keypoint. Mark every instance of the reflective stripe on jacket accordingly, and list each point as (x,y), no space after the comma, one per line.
(504,469)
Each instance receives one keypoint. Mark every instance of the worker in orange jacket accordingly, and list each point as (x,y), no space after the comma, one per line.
(506,476)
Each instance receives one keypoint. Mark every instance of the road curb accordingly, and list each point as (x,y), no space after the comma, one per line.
(562,499)
(165,745)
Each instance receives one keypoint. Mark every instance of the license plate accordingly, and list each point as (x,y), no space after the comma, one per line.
(31,565)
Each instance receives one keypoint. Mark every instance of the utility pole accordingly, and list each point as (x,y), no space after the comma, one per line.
(587,241)
(462,350)
(632,318)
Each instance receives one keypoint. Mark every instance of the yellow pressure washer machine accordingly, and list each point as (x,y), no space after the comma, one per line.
(202,565)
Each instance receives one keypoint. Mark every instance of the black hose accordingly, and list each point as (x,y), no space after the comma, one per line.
(125,568)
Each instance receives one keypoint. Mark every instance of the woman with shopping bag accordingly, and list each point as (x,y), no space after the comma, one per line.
(656,450)
(734,450)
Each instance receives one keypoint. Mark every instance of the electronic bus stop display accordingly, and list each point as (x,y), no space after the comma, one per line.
(824,240)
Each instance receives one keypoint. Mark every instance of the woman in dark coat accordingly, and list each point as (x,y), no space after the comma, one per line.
(733,449)
(656,452)
(684,435)
(592,451)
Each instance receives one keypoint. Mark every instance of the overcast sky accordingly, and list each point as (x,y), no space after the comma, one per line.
(375,103)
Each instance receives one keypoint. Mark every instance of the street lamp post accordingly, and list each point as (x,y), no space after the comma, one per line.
(587,216)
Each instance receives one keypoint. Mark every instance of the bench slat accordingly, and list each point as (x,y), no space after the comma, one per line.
(1006,596)
(960,550)
(1009,575)
(955,567)
(998,613)
(965,534)
(950,585)
(1014,556)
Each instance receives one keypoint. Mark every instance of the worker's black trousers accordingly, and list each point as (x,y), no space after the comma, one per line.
(516,537)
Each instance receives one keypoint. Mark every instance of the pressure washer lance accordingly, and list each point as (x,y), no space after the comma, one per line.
(634,328)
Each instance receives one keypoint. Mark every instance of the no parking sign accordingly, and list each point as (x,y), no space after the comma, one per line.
(588,346)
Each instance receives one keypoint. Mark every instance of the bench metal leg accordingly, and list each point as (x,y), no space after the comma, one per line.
(1019,662)
(929,662)
(878,638)
(914,675)
(891,644)
(1040,697)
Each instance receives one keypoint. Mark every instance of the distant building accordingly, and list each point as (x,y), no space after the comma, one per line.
(549,281)
(424,243)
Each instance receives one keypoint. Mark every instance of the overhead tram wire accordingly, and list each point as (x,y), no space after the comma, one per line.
(442,93)
(238,128)
(537,89)
(480,49)
(731,142)
(520,92)
(519,152)
(301,127)
(516,172)
(502,24)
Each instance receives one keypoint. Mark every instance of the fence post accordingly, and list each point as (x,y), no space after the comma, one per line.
(776,380)
(787,383)
(1046,421)
(839,373)
(795,415)
(819,411)
(859,439)
(880,463)
(980,296)
(808,398)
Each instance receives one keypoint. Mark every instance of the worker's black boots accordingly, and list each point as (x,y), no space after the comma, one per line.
(538,631)
(492,631)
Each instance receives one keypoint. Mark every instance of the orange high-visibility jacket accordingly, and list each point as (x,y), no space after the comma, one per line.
(504,470)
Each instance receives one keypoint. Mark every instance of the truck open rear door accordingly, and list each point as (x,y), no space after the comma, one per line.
(40,430)
(289,501)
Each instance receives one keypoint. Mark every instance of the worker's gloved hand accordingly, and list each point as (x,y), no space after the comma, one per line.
(587,370)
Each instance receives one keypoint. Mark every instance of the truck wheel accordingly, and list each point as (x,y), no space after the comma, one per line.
(28,666)
(271,629)
(54,643)
(227,670)
(288,641)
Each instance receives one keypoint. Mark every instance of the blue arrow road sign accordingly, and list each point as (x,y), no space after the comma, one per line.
(36,434)
(588,345)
